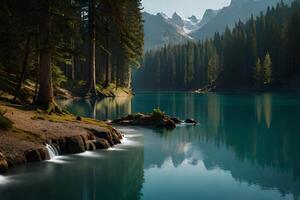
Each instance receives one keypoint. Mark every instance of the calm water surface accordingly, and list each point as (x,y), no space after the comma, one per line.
(245,147)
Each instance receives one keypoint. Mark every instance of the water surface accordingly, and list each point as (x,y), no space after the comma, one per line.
(245,147)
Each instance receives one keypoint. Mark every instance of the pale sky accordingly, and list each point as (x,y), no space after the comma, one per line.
(184,8)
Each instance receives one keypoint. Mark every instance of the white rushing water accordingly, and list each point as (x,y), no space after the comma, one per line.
(3,180)
(52,151)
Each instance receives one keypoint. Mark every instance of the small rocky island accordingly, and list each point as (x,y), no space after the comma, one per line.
(157,119)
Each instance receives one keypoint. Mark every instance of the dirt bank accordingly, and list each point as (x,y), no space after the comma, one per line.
(25,141)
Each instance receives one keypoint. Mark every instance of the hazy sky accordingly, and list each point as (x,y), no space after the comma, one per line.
(185,8)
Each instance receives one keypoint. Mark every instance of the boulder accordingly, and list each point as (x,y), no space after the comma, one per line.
(167,123)
(190,121)
(111,135)
(116,136)
(14,159)
(74,144)
(117,133)
(78,118)
(91,145)
(101,143)
(159,121)
(106,135)
(3,164)
(32,155)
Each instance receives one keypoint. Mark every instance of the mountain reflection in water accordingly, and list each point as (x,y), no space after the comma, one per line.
(245,147)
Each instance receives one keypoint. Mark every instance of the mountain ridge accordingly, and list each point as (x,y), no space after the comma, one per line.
(229,15)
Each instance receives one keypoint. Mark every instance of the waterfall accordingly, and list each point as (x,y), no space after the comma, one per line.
(52,151)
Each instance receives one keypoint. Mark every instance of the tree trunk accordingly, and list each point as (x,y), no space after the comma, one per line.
(73,68)
(24,66)
(36,39)
(92,48)
(108,56)
(45,94)
(108,71)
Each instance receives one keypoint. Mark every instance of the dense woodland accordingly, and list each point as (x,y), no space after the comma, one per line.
(260,54)
(89,43)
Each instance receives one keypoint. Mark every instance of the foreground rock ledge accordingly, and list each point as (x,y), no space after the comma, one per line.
(25,141)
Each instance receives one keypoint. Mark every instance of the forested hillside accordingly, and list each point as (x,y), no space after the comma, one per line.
(260,54)
(50,43)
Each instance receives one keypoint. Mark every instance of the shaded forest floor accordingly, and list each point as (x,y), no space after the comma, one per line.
(75,89)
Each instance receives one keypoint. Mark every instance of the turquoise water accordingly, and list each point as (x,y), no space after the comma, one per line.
(245,147)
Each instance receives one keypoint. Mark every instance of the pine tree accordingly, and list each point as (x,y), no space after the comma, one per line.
(267,69)
(92,49)
(257,74)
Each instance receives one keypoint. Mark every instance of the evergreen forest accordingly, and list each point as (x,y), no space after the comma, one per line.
(83,44)
(261,54)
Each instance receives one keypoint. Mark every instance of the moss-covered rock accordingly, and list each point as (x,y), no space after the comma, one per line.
(154,120)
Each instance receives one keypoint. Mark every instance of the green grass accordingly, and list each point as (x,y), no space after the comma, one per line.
(158,113)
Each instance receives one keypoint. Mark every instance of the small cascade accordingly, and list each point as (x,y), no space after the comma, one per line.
(52,151)
(3,180)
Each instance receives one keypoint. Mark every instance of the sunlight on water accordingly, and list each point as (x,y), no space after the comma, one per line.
(90,154)
(183,124)
(3,180)
(127,142)
(133,135)
(116,149)
(59,160)
(127,130)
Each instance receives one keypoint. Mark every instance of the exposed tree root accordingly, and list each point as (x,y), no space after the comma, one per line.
(53,108)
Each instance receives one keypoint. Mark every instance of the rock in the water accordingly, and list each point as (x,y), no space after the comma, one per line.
(43,153)
(3,164)
(176,120)
(75,144)
(104,135)
(117,136)
(32,155)
(167,123)
(190,121)
(161,121)
(91,145)
(101,143)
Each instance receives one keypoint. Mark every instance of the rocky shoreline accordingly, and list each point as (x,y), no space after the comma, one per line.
(26,141)
(156,119)
(32,130)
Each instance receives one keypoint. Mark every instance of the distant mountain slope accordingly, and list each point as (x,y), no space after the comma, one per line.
(185,25)
(228,16)
(160,30)
(191,24)
(208,16)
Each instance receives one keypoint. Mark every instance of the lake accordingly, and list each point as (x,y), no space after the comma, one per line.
(246,146)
